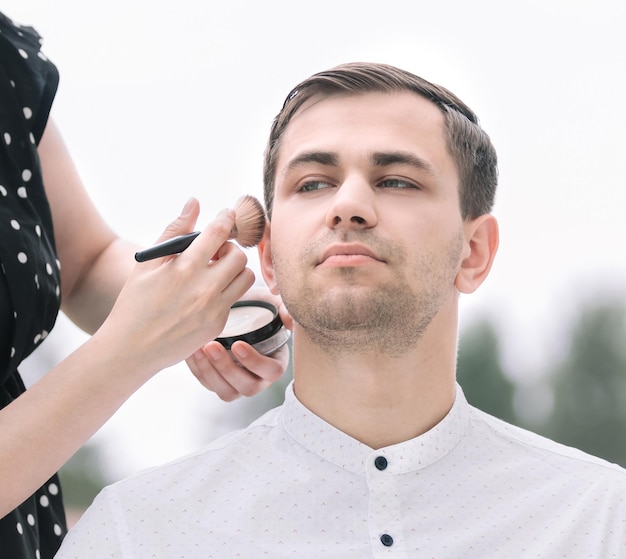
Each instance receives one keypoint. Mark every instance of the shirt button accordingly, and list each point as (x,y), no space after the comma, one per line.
(386,540)
(381,463)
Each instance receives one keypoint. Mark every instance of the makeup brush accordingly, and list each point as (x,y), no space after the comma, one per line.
(247,231)
(249,222)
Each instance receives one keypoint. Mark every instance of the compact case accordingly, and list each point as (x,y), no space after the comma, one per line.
(257,323)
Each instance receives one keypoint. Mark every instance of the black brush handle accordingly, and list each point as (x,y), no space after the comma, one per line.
(166,248)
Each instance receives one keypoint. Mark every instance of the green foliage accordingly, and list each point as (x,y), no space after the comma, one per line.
(590,384)
(82,477)
(480,373)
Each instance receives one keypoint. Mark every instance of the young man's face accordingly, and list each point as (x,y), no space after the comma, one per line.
(366,231)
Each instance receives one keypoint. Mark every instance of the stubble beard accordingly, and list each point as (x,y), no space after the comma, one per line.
(389,318)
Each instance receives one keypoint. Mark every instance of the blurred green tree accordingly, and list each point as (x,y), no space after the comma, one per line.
(83,476)
(590,384)
(480,372)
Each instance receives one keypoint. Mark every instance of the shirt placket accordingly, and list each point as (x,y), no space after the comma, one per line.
(386,517)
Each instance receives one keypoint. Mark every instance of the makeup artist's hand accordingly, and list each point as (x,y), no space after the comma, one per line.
(214,367)
(172,305)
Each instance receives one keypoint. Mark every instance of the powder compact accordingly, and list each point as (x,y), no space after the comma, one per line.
(257,323)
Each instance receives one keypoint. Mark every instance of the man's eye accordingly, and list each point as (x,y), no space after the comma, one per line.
(311,186)
(397,183)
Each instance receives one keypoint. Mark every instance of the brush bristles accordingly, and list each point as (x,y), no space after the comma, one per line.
(249,221)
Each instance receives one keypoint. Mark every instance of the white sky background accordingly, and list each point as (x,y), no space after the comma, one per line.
(163,100)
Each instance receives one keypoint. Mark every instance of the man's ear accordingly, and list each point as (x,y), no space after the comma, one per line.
(266,262)
(481,236)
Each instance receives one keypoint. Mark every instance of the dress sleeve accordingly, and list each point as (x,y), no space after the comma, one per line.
(30,288)
(35,78)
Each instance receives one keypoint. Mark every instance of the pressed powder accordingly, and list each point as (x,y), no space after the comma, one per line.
(257,323)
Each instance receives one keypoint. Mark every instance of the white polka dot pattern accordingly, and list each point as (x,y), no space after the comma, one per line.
(290,485)
(29,278)
(27,253)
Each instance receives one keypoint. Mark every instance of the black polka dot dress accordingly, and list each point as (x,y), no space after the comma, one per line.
(29,269)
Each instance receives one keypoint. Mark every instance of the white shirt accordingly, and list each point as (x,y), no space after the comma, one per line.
(291,485)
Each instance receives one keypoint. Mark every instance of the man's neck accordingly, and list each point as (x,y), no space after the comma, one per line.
(378,399)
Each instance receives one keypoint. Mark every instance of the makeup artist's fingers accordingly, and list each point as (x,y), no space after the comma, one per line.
(268,368)
(211,241)
(165,312)
(216,370)
(230,256)
(219,372)
(183,224)
(201,366)
(205,245)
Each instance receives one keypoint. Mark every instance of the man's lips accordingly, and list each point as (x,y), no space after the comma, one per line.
(347,254)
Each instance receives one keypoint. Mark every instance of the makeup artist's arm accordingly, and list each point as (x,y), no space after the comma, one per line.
(164,312)
(95,262)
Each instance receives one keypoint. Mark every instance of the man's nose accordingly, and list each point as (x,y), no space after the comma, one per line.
(353,205)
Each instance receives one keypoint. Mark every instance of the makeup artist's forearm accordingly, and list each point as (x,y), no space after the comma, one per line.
(43,428)
(91,298)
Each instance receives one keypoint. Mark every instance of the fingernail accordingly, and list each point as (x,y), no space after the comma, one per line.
(187,207)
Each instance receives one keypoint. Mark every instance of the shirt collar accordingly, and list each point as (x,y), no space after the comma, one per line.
(331,444)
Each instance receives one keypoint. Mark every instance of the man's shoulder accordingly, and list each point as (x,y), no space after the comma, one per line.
(524,446)
(198,466)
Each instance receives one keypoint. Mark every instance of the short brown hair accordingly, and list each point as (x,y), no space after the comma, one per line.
(468,143)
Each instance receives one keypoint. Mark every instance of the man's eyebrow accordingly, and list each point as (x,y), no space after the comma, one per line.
(383,159)
(321,157)
(377,159)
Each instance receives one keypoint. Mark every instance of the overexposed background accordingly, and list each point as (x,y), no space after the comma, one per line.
(163,100)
